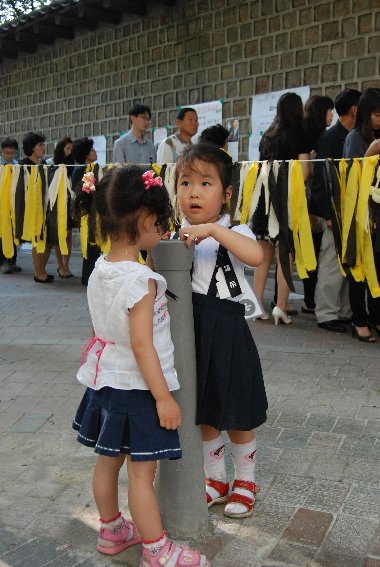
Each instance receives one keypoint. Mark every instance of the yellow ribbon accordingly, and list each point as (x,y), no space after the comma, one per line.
(62,211)
(249,185)
(303,241)
(6,232)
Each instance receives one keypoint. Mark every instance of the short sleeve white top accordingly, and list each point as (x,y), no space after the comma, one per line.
(205,259)
(113,289)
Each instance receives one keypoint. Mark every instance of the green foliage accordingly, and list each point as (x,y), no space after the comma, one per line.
(11,9)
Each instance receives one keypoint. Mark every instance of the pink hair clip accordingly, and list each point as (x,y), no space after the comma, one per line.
(89,180)
(150,180)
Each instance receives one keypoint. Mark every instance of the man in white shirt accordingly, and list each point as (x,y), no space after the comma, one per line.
(134,147)
(172,147)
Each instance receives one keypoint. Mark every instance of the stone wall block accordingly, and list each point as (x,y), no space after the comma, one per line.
(330,73)
(266,45)
(374,46)
(356,47)
(293,78)
(282,41)
(313,35)
(349,27)
(367,67)
(330,31)
(236,52)
(290,20)
(246,87)
(262,84)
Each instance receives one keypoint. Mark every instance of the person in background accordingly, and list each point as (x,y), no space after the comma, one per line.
(233,135)
(285,139)
(33,145)
(63,154)
(318,117)
(364,141)
(9,149)
(215,135)
(332,305)
(84,154)
(134,147)
(172,147)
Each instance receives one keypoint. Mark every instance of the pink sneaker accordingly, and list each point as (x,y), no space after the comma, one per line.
(173,555)
(115,540)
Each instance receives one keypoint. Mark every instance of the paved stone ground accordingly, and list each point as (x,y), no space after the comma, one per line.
(318,458)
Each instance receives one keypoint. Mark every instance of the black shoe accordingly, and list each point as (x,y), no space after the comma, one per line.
(363,338)
(48,279)
(334,326)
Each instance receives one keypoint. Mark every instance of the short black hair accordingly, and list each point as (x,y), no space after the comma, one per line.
(215,135)
(139,108)
(183,111)
(30,140)
(81,149)
(9,143)
(209,153)
(346,100)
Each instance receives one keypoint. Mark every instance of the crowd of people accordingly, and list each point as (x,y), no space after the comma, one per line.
(299,131)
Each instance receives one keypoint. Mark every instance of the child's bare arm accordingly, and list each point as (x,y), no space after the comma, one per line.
(141,333)
(245,249)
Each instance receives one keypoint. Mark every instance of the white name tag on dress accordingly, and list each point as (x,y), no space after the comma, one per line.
(221,285)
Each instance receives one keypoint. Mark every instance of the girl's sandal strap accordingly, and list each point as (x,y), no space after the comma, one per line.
(246,485)
(241,499)
(222,488)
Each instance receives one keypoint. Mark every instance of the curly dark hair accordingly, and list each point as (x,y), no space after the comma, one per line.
(30,141)
(119,198)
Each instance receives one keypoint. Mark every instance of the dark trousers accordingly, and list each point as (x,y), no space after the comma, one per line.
(310,283)
(365,308)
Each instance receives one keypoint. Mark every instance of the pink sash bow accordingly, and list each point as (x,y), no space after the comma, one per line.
(88,345)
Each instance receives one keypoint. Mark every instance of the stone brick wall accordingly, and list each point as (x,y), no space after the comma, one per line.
(196,51)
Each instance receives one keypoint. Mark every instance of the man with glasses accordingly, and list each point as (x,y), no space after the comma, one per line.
(134,147)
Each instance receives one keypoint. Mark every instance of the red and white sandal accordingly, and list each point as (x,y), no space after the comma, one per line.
(237,498)
(220,488)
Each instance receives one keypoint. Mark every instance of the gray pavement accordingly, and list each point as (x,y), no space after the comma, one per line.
(318,454)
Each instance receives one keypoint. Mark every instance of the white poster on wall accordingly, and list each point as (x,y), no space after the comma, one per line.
(100,146)
(209,114)
(263,112)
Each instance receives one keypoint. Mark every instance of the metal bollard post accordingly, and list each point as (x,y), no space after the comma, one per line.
(180,484)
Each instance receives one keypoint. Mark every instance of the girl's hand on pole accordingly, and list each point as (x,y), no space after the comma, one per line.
(168,412)
(195,233)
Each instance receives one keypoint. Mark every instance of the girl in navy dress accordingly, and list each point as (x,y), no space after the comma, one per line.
(230,389)
(128,412)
